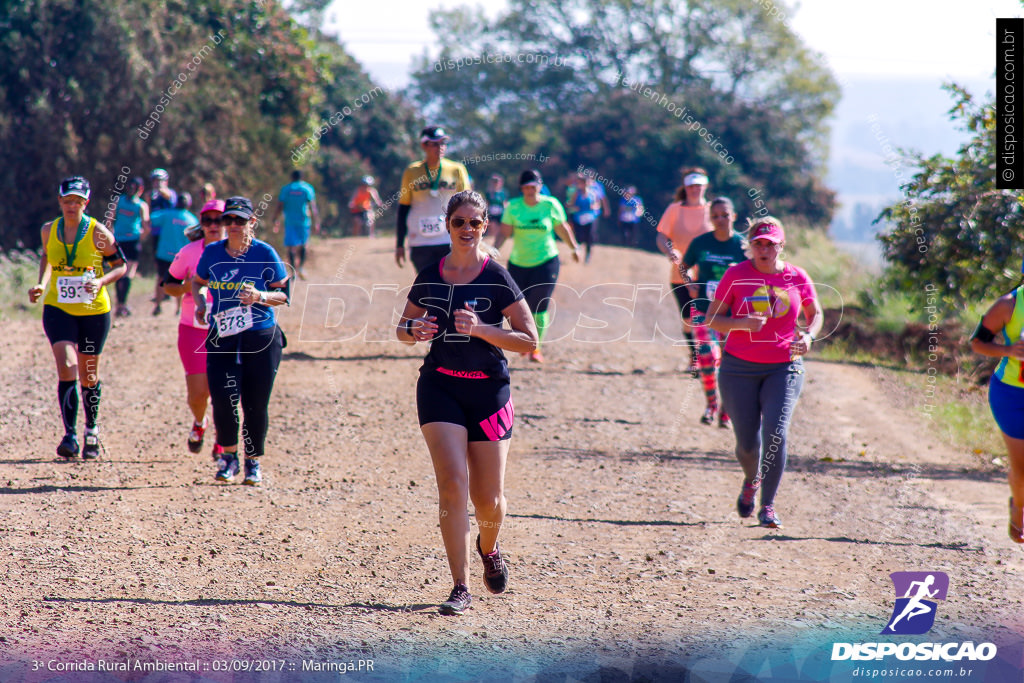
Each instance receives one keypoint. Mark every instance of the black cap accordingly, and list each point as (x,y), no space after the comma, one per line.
(76,185)
(530,177)
(238,206)
(433,134)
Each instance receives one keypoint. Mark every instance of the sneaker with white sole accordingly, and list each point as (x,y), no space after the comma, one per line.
(457,601)
(253,474)
(227,466)
(768,518)
(91,445)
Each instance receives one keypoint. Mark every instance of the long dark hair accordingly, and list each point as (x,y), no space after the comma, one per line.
(465,197)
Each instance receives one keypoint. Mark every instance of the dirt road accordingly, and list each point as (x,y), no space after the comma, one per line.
(627,558)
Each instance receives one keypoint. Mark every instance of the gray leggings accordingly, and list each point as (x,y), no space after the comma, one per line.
(760,398)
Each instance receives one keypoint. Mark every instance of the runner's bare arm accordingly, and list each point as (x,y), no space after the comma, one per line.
(44,269)
(415,325)
(504,232)
(199,296)
(522,338)
(983,341)
(564,230)
(113,257)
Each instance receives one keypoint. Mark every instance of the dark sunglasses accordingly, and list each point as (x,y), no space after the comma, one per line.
(475,223)
(233,220)
(208,220)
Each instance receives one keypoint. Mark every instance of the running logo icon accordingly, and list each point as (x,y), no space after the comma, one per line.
(916,592)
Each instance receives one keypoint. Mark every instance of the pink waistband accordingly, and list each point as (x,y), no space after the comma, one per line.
(464,374)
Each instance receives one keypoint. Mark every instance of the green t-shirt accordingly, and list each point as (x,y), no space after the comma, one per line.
(712,259)
(533,230)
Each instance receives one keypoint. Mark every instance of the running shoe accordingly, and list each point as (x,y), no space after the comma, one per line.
(708,417)
(457,602)
(724,422)
(253,475)
(156,310)
(536,356)
(768,518)
(1016,532)
(68,447)
(217,451)
(91,447)
(195,437)
(495,569)
(227,466)
(745,503)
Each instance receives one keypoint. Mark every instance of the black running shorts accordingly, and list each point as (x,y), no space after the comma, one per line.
(87,332)
(483,405)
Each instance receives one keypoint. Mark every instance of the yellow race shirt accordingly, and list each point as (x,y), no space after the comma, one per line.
(427,195)
(66,290)
(1009,371)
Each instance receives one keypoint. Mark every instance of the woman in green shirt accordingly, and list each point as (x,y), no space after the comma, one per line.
(534,220)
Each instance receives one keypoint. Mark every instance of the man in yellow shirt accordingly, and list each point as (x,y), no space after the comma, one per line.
(427,186)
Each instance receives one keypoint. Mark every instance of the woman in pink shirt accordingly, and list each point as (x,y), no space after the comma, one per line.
(757,304)
(192,335)
(686,218)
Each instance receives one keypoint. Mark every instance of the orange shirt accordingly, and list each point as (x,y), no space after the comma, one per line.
(362,201)
(681,224)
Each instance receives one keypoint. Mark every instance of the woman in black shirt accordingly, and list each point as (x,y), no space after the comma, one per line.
(463,397)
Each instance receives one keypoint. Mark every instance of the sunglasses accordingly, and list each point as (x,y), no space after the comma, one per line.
(474,223)
(233,220)
(208,220)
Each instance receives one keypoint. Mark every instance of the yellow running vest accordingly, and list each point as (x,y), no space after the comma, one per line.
(1009,369)
(65,291)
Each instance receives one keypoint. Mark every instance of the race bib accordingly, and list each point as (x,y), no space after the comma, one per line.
(712,288)
(71,290)
(233,321)
(434,225)
(496,209)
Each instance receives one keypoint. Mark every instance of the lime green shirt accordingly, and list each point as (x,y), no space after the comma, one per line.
(533,229)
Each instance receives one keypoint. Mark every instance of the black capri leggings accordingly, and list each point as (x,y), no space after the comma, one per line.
(241,371)
(537,283)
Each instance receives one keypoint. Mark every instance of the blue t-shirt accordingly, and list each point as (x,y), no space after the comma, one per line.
(157,202)
(628,209)
(294,196)
(170,224)
(128,221)
(259,265)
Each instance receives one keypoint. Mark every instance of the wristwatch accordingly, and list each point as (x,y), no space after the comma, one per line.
(408,326)
(263,297)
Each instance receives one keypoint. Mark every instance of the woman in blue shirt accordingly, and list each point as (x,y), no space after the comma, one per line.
(246,279)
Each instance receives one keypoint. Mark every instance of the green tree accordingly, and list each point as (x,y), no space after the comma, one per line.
(954,232)
(554,77)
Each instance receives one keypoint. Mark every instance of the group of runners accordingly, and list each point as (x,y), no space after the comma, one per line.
(739,301)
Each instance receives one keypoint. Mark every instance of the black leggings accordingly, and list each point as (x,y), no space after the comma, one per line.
(536,282)
(241,370)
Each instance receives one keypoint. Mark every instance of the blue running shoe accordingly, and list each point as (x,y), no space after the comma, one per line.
(253,475)
(91,447)
(68,447)
(227,466)
(768,518)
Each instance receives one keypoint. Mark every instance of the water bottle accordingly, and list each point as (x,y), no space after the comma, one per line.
(88,276)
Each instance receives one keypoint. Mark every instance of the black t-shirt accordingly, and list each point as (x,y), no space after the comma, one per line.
(494,290)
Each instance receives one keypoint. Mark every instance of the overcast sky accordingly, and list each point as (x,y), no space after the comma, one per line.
(936,38)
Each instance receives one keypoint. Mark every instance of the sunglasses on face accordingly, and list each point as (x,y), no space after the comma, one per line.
(233,220)
(208,220)
(474,223)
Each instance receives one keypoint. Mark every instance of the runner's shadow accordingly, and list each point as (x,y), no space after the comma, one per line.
(616,522)
(961,546)
(213,602)
(301,355)
(49,488)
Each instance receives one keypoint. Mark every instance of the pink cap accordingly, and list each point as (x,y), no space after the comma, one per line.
(767,231)
(213,205)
